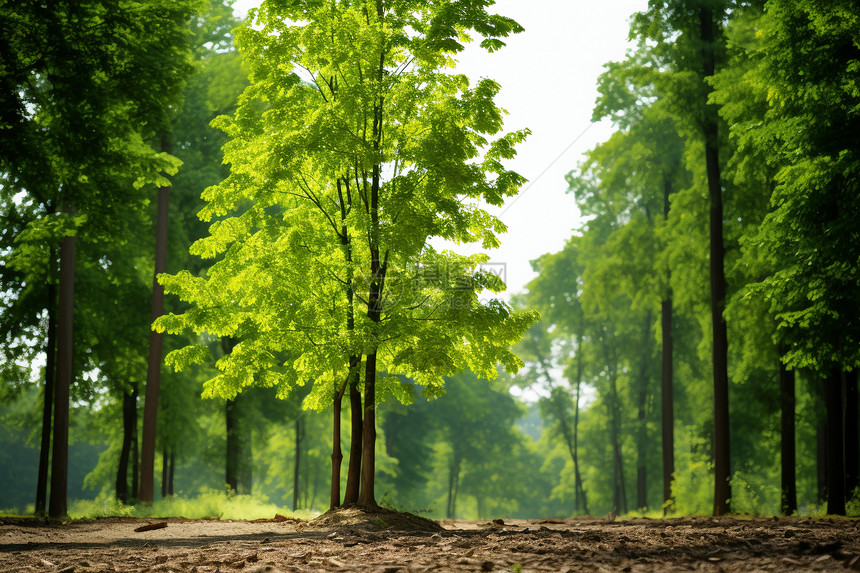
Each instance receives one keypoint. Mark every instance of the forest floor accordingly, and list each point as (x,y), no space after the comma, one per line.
(389,543)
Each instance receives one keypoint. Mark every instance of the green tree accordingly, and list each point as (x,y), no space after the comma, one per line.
(352,147)
(689,40)
(79,86)
(555,292)
(804,61)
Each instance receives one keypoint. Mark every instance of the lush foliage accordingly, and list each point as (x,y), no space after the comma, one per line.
(323,153)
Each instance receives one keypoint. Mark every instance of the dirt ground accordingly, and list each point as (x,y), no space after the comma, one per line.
(386,543)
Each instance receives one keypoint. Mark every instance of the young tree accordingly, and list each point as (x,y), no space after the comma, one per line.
(689,40)
(555,292)
(354,146)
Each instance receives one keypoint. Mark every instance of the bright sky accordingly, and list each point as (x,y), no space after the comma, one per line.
(548,76)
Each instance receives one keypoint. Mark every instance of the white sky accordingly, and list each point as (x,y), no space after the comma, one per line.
(548,76)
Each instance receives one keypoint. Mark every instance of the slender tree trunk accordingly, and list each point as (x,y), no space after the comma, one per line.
(619,491)
(581,498)
(788,457)
(129,423)
(367,497)
(821,461)
(852,449)
(667,407)
(172,473)
(165,471)
(667,389)
(453,484)
(619,497)
(834,443)
(135,451)
(48,397)
(722,461)
(353,478)
(238,458)
(57,507)
(336,451)
(156,343)
(300,435)
(642,442)
(231,474)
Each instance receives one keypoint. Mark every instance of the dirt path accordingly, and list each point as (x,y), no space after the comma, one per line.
(684,544)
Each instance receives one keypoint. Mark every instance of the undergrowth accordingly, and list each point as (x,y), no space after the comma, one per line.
(207,505)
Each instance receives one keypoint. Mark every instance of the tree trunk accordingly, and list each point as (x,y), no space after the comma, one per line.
(667,407)
(821,461)
(129,424)
(135,452)
(165,470)
(48,398)
(353,477)
(579,493)
(300,435)
(336,451)
(171,473)
(642,442)
(667,390)
(852,449)
(367,497)
(231,472)
(156,343)
(453,483)
(57,507)
(722,462)
(619,491)
(788,452)
(834,441)
(238,455)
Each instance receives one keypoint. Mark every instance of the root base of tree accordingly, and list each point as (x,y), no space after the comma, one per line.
(377,519)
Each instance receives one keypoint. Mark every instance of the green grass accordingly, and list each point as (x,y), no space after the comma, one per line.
(210,504)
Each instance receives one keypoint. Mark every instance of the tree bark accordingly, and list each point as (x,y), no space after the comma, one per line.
(129,425)
(852,449)
(581,499)
(231,459)
(57,507)
(367,496)
(135,453)
(619,490)
(48,398)
(336,451)
(172,473)
(300,435)
(642,442)
(353,477)
(821,461)
(834,441)
(156,343)
(788,451)
(453,483)
(667,387)
(165,471)
(238,455)
(722,462)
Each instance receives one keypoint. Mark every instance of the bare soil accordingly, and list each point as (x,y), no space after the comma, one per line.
(387,542)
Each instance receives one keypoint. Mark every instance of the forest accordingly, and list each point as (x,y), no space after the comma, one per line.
(222,282)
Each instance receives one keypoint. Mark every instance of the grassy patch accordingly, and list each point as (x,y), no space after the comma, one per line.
(207,505)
